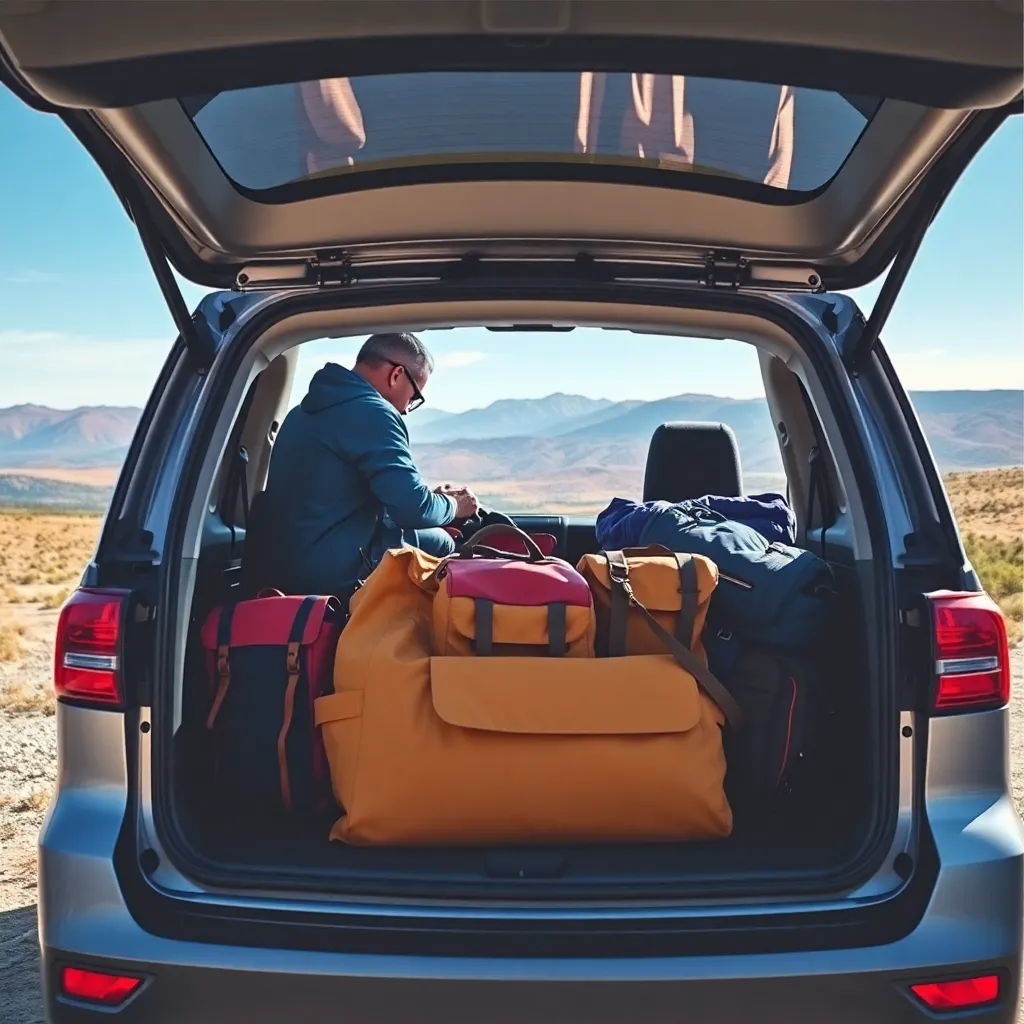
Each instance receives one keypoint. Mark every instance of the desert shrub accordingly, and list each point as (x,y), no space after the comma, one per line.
(11,646)
(1000,567)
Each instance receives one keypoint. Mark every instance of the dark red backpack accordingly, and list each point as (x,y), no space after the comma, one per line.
(268,659)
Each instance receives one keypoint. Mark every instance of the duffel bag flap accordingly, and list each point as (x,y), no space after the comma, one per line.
(458,751)
(667,584)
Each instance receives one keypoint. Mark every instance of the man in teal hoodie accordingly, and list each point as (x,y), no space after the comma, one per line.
(343,487)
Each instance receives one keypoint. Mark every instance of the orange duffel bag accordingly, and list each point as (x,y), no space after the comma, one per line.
(451,750)
(492,602)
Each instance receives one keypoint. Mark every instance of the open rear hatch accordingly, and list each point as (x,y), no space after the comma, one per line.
(769,144)
(763,145)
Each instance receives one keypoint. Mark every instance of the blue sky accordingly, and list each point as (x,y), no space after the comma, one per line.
(83,322)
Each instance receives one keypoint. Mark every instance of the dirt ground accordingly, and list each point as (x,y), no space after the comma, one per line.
(27,771)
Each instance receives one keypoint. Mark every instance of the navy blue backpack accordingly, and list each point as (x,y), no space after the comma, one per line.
(769,592)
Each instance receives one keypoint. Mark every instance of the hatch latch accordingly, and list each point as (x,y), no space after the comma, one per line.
(332,269)
(724,271)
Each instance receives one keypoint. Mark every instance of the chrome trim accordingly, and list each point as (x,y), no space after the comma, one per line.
(91,662)
(966,666)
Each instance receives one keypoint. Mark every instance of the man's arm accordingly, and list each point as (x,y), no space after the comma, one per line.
(383,457)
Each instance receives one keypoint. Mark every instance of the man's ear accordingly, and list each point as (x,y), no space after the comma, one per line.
(394,375)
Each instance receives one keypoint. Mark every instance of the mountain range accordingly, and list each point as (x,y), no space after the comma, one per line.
(569,442)
(564,452)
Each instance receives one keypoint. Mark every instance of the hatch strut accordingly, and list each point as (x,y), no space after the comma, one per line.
(863,344)
(194,334)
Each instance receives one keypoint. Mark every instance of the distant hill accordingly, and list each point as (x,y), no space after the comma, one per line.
(508,417)
(32,492)
(966,429)
(35,436)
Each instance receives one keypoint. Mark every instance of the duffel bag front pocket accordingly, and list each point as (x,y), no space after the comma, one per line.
(531,750)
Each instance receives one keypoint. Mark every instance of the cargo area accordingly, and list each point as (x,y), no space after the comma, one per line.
(797,840)
(820,832)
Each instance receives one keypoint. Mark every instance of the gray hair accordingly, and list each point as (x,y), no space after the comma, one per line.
(405,349)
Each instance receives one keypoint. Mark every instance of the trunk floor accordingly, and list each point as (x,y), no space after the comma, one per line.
(761,846)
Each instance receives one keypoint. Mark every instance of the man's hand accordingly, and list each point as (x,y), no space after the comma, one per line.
(466,504)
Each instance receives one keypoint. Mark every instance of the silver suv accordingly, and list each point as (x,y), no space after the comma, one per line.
(334,169)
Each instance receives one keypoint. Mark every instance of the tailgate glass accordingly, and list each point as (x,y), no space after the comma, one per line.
(766,136)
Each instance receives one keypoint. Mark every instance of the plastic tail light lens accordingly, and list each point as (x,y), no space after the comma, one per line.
(96,986)
(972,659)
(963,994)
(87,662)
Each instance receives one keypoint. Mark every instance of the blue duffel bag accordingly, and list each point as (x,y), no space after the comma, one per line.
(769,592)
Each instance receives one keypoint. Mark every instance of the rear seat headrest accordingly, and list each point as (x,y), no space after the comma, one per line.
(687,460)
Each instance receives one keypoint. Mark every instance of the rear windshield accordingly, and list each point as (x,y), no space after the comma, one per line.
(785,138)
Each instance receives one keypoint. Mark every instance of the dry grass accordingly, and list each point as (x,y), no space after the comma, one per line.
(42,555)
(55,599)
(22,803)
(11,642)
(27,698)
(989,503)
(989,508)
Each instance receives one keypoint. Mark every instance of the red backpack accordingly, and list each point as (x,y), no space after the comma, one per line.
(267,660)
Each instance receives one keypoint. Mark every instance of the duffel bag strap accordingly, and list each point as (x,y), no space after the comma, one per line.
(618,573)
(294,667)
(484,642)
(475,543)
(223,662)
(688,605)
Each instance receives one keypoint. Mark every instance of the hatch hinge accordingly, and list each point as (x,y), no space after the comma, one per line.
(722,270)
(332,269)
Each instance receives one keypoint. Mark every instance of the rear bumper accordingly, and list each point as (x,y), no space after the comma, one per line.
(381,991)
(972,925)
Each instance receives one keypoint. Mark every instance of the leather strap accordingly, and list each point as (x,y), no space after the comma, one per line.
(618,573)
(484,644)
(688,603)
(500,529)
(294,667)
(557,645)
(223,664)
(618,569)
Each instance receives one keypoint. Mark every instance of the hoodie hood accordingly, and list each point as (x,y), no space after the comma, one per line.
(334,385)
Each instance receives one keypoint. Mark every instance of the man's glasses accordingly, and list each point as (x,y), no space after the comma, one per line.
(417,395)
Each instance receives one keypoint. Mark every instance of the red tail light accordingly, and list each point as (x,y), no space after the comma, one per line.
(972,660)
(963,994)
(97,987)
(87,661)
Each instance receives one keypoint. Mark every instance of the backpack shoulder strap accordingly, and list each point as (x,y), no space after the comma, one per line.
(294,666)
(223,662)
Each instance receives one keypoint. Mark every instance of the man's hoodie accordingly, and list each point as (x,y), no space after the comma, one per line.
(341,465)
